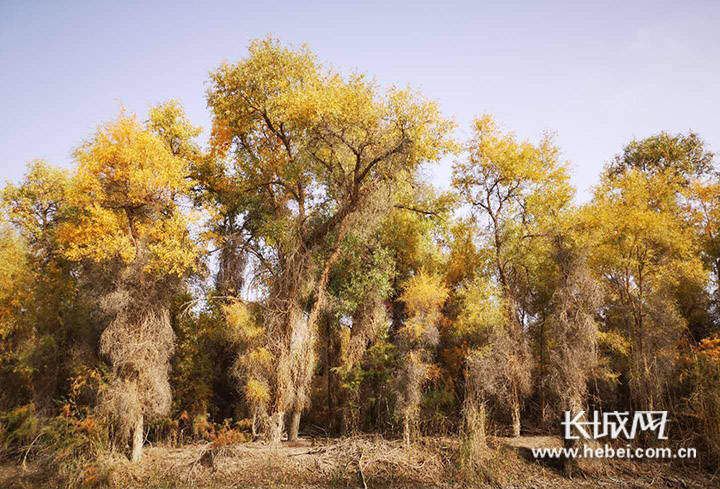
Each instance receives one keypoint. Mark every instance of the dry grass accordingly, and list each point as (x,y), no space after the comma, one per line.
(365,462)
(352,462)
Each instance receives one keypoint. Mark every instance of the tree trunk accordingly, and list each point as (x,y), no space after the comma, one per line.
(515,413)
(543,403)
(138,439)
(294,426)
(341,412)
(329,364)
(321,284)
(475,427)
(276,427)
(406,430)
(573,466)
(336,397)
(303,356)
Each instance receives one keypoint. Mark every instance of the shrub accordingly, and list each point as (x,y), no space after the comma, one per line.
(65,445)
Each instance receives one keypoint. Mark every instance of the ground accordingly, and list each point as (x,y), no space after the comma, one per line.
(365,462)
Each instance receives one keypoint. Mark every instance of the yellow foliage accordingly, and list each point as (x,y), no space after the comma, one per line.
(424,293)
(704,210)
(509,179)
(15,280)
(126,165)
(710,348)
(256,391)
(482,308)
(168,120)
(241,322)
(304,133)
(125,190)
(227,437)
(638,237)
(614,342)
(33,206)
(260,357)
(413,329)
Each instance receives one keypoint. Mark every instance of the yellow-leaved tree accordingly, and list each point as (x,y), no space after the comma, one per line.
(423,295)
(480,323)
(704,207)
(310,149)
(15,284)
(127,220)
(516,191)
(253,367)
(49,323)
(15,277)
(643,249)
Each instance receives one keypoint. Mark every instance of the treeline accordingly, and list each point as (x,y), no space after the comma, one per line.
(298,274)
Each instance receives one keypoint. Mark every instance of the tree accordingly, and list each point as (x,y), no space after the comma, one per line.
(488,360)
(424,296)
(16,280)
(682,156)
(365,288)
(52,320)
(127,219)
(355,317)
(515,190)
(704,210)
(642,249)
(37,205)
(310,149)
(573,357)
(253,365)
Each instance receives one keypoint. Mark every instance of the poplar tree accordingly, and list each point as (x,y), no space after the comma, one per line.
(127,220)
(309,149)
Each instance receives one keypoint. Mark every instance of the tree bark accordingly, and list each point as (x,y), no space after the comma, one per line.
(306,366)
(515,413)
(294,426)
(323,279)
(406,430)
(138,439)
(481,426)
(474,412)
(329,364)
(276,427)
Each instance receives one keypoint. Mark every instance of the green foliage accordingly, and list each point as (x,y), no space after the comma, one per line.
(199,366)
(683,155)
(344,285)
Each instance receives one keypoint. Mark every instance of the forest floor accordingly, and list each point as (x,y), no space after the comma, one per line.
(364,462)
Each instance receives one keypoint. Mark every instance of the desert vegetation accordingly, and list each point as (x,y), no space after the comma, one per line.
(295,303)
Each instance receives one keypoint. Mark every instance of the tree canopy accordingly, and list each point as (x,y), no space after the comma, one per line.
(300,274)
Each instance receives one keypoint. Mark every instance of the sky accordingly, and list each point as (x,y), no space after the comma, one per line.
(596,74)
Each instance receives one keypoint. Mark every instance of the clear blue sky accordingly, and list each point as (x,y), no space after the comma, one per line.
(598,74)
